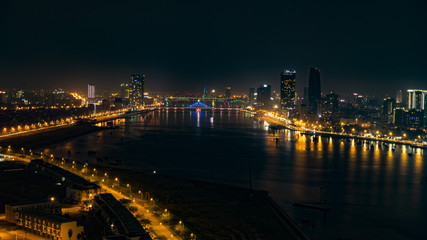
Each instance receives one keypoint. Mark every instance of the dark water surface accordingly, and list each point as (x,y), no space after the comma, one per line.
(372,193)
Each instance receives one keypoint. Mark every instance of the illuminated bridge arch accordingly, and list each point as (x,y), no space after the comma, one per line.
(178,99)
(238,100)
(212,98)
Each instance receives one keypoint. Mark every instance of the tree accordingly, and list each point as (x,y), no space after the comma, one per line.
(133,209)
(125,201)
(70,233)
(145,221)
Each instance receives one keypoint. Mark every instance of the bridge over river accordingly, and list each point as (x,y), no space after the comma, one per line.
(205,102)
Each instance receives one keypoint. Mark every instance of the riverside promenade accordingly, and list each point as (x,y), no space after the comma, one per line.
(278,123)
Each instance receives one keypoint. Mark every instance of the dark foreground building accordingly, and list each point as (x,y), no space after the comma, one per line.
(118,218)
(314,90)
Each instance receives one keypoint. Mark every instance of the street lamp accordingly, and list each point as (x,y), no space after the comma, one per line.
(130,189)
(118,183)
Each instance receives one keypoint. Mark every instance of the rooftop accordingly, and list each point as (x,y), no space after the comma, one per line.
(75,180)
(130,223)
(47,216)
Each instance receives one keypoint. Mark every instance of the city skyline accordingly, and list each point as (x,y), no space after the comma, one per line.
(230,43)
(186,120)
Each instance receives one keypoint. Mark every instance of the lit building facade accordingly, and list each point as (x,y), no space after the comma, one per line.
(330,107)
(124,91)
(399,96)
(50,226)
(252,96)
(388,109)
(264,96)
(44,219)
(12,210)
(416,99)
(91,91)
(136,90)
(287,89)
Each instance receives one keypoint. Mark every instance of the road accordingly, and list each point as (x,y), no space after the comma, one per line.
(158,228)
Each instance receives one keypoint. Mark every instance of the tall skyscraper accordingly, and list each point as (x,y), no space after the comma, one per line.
(3,97)
(91,91)
(314,90)
(124,90)
(228,92)
(330,106)
(136,90)
(251,95)
(399,96)
(287,89)
(388,109)
(264,96)
(417,99)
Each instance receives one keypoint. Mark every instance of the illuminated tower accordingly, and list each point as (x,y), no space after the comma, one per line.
(399,96)
(287,89)
(264,96)
(314,90)
(90,91)
(136,90)
(252,98)
(124,91)
(416,99)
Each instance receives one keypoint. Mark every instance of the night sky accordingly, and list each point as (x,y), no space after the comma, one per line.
(365,46)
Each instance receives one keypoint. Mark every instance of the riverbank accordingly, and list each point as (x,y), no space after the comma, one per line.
(41,139)
(277,125)
(213,210)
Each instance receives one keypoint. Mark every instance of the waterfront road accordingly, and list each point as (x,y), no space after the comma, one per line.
(158,228)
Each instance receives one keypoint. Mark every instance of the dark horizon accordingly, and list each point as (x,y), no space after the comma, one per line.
(375,48)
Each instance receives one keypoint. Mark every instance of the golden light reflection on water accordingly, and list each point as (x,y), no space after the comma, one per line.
(418,163)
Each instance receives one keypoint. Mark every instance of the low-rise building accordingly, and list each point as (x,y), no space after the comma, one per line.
(12,210)
(78,189)
(49,226)
(121,221)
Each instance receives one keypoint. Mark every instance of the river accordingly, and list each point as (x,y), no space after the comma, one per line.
(372,193)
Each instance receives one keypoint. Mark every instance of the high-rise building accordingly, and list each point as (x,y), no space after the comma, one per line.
(314,90)
(415,118)
(251,96)
(416,99)
(287,89)
(136,90)
(305,96)
(264,96)
(124,90)
(330,106)
(388,109)
(91,91)
(399,96)
(228,92)
(3,97)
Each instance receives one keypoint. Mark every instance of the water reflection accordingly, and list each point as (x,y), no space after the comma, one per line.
(369,186)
